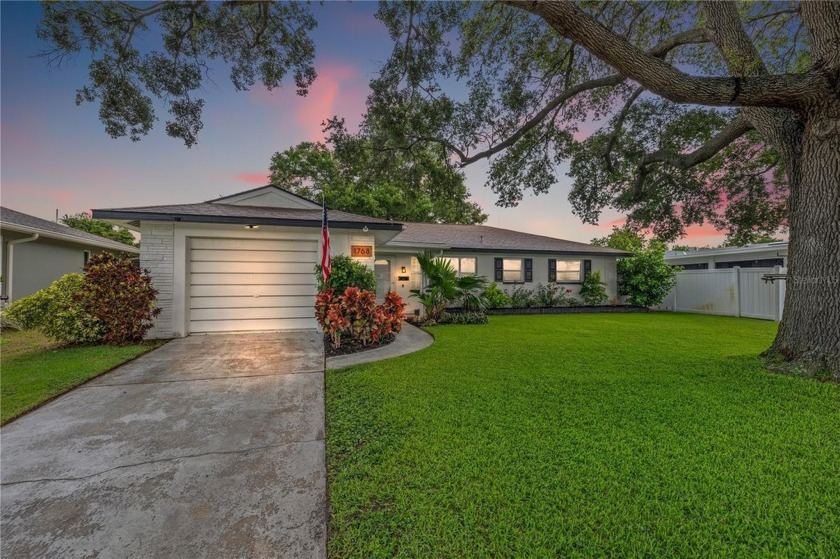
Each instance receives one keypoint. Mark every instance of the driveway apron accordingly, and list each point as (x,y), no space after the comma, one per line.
(211,446)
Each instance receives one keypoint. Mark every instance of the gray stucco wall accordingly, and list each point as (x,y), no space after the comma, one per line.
(604,264)
(39,263)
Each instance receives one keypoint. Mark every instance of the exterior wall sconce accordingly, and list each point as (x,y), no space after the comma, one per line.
(251,227)
(402,270)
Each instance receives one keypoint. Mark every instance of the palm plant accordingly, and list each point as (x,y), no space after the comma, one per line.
(444,288)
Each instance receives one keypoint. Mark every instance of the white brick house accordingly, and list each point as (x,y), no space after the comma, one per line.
(245,262)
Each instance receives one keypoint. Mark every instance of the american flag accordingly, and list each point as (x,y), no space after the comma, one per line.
(326,258)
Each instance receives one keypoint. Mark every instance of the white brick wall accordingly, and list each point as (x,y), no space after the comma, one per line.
(157,244)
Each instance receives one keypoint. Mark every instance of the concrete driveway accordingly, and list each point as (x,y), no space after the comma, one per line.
(212,446)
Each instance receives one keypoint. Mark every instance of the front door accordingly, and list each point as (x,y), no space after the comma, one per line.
(383,279)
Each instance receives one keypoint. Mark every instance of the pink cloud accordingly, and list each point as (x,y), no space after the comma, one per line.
(338,90)
(256,179)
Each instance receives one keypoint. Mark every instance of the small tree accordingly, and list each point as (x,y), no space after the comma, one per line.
(645,278)
(593,291)
(444,288)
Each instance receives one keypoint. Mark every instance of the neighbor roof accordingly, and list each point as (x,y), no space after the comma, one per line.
(25,223)
(484,238)
(250,215)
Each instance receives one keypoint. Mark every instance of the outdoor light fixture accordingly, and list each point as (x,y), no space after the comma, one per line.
(402,270)
(365,229)
(252,227)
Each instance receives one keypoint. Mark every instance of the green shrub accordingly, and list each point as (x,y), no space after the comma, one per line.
(594,291)
(522,298)
(120,295)
(346,272)
(550,295)
(29,313)
(59,312)
(70,322)
(463,318)
(495,297)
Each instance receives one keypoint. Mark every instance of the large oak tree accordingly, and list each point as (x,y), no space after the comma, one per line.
(716,112)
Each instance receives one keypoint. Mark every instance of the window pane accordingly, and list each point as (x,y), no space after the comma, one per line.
(568,276)
(568,265)
(453,262)
(468,266)
(512,269)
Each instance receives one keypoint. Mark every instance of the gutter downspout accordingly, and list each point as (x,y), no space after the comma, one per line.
(11,255)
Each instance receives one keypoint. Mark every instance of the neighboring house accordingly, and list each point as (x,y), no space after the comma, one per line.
(730,281)
(245,262)
(764,255)
(36,252)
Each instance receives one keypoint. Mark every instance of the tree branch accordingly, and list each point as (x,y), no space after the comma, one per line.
(785,91)
(693,36)
(619,124)
(731,132)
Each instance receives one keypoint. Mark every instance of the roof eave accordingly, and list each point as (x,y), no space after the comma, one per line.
(44,233)
(239,220)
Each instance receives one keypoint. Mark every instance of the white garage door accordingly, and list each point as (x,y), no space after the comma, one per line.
(246,284)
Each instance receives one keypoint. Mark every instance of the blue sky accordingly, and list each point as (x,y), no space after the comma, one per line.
(55,155)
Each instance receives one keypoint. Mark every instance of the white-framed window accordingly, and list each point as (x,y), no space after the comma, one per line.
(569,271)
(512,270)
(466,266)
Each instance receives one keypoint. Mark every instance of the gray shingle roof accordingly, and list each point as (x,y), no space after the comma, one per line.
(486,238)
(51,229)
(234,213)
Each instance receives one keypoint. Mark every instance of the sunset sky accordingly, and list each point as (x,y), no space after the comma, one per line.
(56,155)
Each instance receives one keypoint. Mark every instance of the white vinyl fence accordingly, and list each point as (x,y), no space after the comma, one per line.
(729,292)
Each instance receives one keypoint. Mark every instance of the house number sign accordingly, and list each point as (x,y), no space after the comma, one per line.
(361,251)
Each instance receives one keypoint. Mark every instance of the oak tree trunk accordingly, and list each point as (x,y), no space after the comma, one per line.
(808,340)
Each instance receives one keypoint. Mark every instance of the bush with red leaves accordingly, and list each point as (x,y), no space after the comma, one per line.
(121,296)
(355,316)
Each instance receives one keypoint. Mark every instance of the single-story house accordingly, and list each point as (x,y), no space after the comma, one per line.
(761,255)
(245,262)
(36,252)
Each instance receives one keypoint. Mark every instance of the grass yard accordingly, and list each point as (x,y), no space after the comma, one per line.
(33,369)
(591,435)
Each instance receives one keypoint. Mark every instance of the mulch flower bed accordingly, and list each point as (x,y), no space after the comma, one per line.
(353,346)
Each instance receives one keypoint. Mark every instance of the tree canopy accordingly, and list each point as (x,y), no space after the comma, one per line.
(84,222)
(356,177)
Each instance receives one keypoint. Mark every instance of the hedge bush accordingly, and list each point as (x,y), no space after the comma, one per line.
(463,318)
(59,311)
(346,272)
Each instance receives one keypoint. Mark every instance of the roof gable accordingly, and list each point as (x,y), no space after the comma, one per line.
(268,196)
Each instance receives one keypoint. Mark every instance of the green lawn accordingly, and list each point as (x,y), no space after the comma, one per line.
(34,370)
(656,435)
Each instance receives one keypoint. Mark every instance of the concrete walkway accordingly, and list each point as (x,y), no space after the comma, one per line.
(211,446)
(409,340)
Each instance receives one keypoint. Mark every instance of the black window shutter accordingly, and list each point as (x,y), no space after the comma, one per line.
(498,269)
(552,270)
(529,270)
(587,268)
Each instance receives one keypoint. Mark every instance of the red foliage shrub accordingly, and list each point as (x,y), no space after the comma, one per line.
(355,315)
(121,296)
